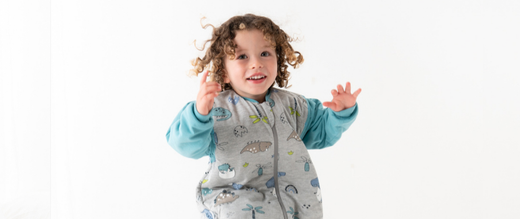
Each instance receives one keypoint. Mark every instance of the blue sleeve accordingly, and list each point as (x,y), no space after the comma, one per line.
(324,127)
(190,133)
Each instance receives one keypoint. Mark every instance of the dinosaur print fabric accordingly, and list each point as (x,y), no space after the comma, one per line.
(245,180)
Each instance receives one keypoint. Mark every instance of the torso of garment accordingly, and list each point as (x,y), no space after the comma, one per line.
(260,165)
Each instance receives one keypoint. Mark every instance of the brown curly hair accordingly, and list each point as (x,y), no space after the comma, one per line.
(222,45)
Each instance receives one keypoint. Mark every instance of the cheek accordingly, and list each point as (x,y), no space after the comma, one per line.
(229,69)
(232,67)
(273,65)
(273,68)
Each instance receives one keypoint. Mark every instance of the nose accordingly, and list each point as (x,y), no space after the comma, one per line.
(256,63)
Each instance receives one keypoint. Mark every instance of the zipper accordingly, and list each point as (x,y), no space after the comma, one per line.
(275,135)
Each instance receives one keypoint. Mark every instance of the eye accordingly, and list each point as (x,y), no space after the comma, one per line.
(242,56)
(265,54)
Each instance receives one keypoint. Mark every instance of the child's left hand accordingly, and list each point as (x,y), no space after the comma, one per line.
(342,99)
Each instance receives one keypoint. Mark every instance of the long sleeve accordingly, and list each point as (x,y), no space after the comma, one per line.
(324,127)
(190,133)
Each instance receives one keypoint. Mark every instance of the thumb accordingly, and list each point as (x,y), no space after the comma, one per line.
(328,104)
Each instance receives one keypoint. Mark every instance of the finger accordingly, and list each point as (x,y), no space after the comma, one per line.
(334,93)
(340,89)
(211,84)
(212,88)
(208,88)
(330,105)
(204,77)
(208,98)
(347,88)
(357,92)
(208,85)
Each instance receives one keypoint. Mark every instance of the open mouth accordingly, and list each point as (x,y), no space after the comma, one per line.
(259,77)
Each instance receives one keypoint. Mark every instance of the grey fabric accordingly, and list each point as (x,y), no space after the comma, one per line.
(241,181)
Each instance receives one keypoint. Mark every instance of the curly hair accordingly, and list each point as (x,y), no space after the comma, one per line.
(222,46)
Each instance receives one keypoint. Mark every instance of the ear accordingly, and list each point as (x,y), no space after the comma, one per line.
(226,79)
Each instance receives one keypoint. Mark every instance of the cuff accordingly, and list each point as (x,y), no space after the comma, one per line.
(346,112)
(200,117)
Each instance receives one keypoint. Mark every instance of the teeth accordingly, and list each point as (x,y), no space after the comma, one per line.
(256,77)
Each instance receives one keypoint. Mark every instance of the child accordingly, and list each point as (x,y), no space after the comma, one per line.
(257,136)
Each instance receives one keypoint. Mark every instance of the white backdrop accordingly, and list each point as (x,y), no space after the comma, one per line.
(89,88)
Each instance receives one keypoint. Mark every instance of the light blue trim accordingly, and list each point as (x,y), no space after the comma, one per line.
(267,97)
(211,148)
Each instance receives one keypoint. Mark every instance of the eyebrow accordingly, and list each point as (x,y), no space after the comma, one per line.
(240,50)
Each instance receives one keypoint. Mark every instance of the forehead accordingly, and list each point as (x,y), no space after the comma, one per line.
(249,39)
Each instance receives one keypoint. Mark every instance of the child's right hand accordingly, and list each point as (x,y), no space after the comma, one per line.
(208,91)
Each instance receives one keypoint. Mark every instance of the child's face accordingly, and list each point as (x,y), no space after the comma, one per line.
(253,70)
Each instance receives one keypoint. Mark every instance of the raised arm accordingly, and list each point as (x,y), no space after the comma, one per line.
(324,127)
(190,134)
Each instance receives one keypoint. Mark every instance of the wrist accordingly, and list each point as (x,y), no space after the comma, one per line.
(201,112)
(200,116)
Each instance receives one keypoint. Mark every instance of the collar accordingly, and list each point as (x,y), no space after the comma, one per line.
(267,97)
